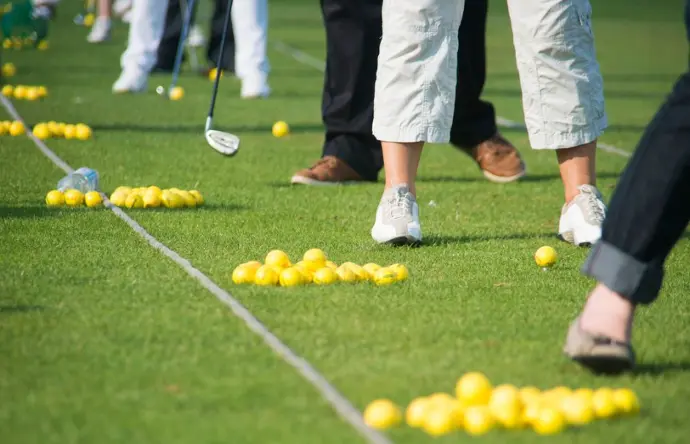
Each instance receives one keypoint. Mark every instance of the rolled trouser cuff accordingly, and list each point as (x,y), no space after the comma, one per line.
(637,281)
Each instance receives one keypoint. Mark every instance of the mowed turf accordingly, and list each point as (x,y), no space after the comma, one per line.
(103,339)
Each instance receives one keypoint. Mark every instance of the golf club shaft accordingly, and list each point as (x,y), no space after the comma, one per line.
(219,64)
(186,23)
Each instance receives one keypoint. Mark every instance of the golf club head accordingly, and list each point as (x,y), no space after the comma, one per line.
(225,143)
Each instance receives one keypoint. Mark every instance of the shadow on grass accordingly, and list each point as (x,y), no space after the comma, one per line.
(528,178)
(660,368)
(28,212)
(204,208)
(434,240)
(199,128)
(20,308)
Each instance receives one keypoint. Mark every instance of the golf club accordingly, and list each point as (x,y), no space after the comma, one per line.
(186,23)
(223,142)
(191,51)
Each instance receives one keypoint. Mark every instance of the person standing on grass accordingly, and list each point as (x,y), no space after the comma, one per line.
(351,153)
(100,30)
(249,18)
(562,95)
(649,211)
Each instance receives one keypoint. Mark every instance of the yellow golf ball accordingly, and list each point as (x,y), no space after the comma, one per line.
(280,129)
(70,131)
(266,276)
(290,277)
(382,414)
(243,275)
(17,128)
(134,200)
(385,276)
(314,259)
(93,199)
(545,256)
(41,131)
(32,94)
(74,198)
(8,91)
(8,69)
(473,389)
(213,72)
(277,258)
(176,93)
(20,92)
(55,198)
(82,131)
(325,276)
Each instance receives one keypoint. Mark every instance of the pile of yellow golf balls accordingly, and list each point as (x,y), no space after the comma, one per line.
(12,128)
(73,198)
(8,69)
(155,197)
(18,43)
(478,407)
(46,130)
(25,92)
(315,268)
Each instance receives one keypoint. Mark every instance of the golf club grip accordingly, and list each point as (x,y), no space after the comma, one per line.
(186,23)
(220,59)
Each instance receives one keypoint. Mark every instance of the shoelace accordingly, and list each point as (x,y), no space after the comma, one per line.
(399,204)
(597,211)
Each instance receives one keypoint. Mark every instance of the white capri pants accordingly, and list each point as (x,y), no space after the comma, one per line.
(562,88)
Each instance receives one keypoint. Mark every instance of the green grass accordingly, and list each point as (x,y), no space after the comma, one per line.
(102,339)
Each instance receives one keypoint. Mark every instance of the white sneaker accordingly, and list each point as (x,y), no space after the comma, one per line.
(397,218)
(255,87)
(582,218)
(120,7)
(131,81)
(100,31)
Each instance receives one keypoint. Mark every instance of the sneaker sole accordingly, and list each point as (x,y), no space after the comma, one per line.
(301,180)
(605,365)
(504,179)
(569,237)
(402,240)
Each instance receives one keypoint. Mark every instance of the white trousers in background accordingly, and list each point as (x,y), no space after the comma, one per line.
(250,25)
(562,88)
(145,33)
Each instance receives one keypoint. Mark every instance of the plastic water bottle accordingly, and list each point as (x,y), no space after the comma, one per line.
(84,179)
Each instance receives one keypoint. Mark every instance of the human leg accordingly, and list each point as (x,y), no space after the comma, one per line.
(350,151)
(100,31)
(413,102)
(647,216)
(250,20)
(145,31)
(563,102)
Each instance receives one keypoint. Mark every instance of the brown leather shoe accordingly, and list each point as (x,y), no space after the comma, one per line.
(498,159)
(329,170)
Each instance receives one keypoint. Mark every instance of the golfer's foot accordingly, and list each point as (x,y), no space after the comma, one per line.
(598,353)
(397,218)
(498,159)
(327,171)
(255,87)
(582,218)
(100,31)
(131,81)
(121,7)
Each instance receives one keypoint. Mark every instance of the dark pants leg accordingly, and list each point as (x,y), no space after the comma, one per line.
(650,208)
(353,33)
(167,49)
(213,50)
(474,120)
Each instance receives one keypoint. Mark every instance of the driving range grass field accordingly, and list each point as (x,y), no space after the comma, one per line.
(105,340)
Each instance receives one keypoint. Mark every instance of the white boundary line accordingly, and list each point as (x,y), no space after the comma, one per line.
(341,405)
(315,63)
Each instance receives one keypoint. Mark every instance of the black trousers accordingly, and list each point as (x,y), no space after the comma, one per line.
(353,33)
(650,208)
(167,48)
